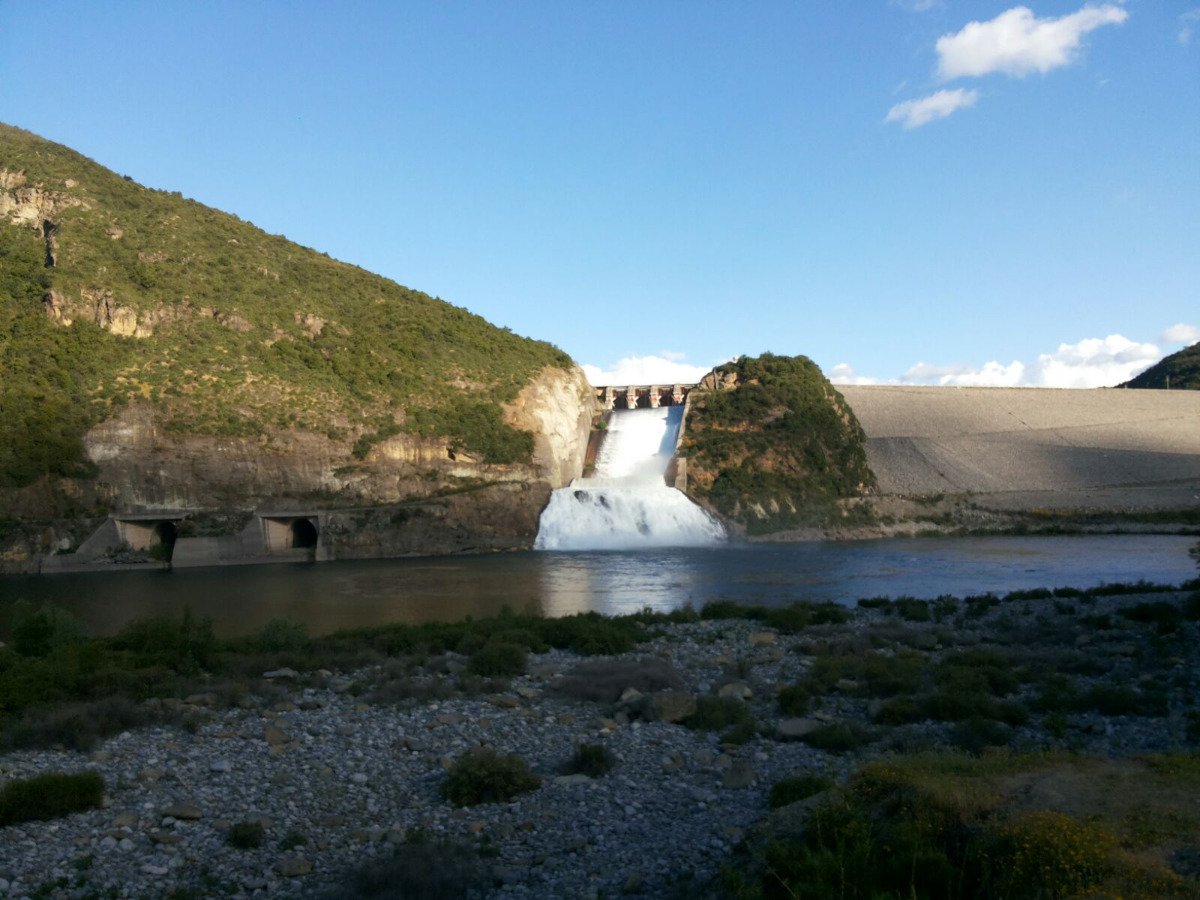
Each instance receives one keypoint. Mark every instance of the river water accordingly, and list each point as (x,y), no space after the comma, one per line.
(331,596)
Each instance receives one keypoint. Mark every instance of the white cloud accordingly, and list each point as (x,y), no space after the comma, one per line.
(1181,334)
(1188,23)
(646,370)
(1016,42)
(843,373)
(915,113)
(1090,363)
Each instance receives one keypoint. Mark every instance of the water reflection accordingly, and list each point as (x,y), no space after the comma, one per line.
(331,596)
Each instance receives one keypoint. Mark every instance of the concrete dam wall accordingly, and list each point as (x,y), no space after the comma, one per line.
(1035,448)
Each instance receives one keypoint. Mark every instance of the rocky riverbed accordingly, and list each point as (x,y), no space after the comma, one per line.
(344,770)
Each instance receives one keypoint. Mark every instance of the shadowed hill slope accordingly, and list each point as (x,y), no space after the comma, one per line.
(111,292)
(1179,371)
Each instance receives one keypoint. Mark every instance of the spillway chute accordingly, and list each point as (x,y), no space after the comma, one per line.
(627,504)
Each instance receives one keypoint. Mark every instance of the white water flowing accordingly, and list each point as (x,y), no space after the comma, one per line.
(627,505)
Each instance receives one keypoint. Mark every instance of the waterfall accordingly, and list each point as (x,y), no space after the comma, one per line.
(626,504)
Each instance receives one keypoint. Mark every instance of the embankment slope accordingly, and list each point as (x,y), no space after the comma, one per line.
(1029,449)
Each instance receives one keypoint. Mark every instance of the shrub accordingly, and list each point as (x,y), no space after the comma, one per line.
(246,835)
(839,737)
(282,636)
(498,659)
(1047,854)
(795,699)
(977,733)
(50,796)
(797,787)
(592,760)
(293,839)
(419,870)
(38,632)
(76,726)
(717,713)
(483,776)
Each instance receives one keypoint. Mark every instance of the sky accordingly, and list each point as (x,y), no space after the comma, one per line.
(906,191)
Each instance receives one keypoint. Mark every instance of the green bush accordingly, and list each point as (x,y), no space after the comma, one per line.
(717,713)
(282,636)
(38,632)
(796,788)
(418,870)
(483,776)
(246,835)
(592,760)
(497,659)
(50,796)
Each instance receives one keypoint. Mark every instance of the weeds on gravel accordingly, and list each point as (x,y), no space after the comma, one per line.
(484,776)
(246,835)
(604,680)
(50,796)
(592,760)
(420,869)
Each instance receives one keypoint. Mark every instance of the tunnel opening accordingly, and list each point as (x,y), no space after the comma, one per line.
(166,533)
(304,534)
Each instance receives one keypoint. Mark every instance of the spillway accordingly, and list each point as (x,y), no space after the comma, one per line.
(626,504)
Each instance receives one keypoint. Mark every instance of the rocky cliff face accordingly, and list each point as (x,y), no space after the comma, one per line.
(426,497)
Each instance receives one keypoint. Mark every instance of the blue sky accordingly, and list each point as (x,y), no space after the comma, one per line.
(904,190)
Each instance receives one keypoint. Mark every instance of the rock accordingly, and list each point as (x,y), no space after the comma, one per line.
(275,736)
(528,693)
(292,865)
(736,689)
(187,812)
(763,638)
(205,699)
(281,673)
(567,780)
(668,706)
(795,729)
(505,701)
(220,765)
(630,696)
(157,871)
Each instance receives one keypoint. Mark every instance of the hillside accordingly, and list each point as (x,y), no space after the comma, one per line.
(112,293)
(1179,371)
(771,445)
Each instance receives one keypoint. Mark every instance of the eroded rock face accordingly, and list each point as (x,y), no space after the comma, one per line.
(557,407)
(450,503)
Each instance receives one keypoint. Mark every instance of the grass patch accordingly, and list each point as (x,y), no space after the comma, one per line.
(50,796)
(796,788)
(947,825)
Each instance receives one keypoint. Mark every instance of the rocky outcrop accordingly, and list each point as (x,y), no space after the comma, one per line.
(30,206)
(412,495)
(557,407)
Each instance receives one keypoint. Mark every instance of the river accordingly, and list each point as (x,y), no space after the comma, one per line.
(331,596)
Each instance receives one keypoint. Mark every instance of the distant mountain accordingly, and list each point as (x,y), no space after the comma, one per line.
(112,293)
(1179,371)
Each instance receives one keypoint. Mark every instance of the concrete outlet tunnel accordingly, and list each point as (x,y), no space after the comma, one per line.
(304,534)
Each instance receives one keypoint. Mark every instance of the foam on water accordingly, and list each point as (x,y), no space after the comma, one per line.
(627,505)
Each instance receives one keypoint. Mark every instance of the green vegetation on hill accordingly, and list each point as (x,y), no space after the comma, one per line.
(224,328)
(775,446)
(1179,371)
